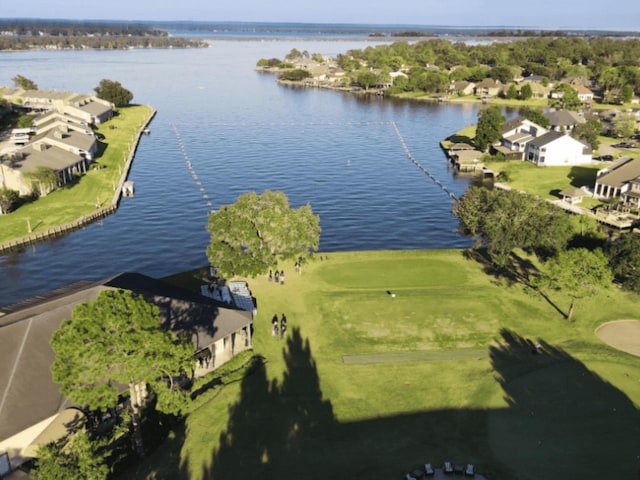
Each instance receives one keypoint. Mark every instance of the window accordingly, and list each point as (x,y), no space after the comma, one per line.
(5,466)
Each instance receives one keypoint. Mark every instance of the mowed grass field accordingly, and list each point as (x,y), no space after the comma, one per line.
(365,385)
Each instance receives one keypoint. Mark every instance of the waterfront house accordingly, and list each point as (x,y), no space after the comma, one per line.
(33,410)
(68,139)
(630,195)
(52,120)
(88,108)
(516,134)
(621,177)
(557,149)
(564,120)
(488,88)
(461,88)
(15,167)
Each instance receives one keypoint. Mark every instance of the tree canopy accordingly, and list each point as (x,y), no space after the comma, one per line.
(624,259)
(113,92)
(251,235)
(502,220)
(535,115)
(76,458)
(578,272)
(24,82)
(489,128)
(113,341)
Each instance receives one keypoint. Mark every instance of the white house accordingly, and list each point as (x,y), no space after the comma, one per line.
(557,149)
(518,132)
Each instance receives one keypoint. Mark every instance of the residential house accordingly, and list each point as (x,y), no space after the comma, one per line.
(31,404)
(50,120)
(617,179)
(89,108)
(564,120)
(65,151)
(630,195)
(462,88)
(488,88)
(15,167)
(516,133)
(67,138)
(557,149)
(584,94)
(538,90)
(534,79)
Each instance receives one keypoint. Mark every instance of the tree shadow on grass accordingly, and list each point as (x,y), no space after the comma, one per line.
(561,421)
(518,270)
(582,176)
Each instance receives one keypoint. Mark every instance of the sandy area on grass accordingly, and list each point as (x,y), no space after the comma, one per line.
(621,334)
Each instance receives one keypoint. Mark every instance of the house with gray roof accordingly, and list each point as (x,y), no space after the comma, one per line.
(89,108)
(564,120)
(618,179)
(488,87)
(557,149)
(16,166)
(32,407)
(516,134)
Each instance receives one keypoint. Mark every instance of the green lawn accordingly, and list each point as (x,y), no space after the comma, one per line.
(442,371)
(95,188)
(546,182)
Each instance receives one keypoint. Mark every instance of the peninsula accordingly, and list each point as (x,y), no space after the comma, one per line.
(74,140)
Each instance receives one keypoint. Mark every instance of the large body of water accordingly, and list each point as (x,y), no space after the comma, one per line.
(243,132)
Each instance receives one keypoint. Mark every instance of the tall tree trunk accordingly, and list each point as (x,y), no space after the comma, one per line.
(570,314)
(135,401)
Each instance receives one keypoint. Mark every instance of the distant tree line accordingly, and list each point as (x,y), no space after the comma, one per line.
(611,64)
(28,35)
(53,28)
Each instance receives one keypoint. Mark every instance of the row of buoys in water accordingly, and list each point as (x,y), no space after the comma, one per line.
(191,169)
(295,124)
(417,164)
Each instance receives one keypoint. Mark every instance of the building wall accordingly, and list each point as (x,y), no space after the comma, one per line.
(561,152)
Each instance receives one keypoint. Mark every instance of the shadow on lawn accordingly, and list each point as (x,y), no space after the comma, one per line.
(562,421)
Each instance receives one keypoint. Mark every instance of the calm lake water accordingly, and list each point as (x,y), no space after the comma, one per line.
(243,132)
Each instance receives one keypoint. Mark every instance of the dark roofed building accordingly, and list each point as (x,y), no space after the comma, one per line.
(564,120)
(29,399)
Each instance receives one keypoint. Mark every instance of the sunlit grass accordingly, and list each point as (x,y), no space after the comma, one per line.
(390,415)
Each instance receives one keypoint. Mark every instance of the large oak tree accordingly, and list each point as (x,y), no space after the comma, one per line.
(116,341)
(577,272)
(502,220)
(113,92)
(251,235)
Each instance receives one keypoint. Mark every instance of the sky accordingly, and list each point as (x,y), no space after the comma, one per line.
(547,14)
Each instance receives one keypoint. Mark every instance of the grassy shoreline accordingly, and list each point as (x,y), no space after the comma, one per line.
(90,192)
